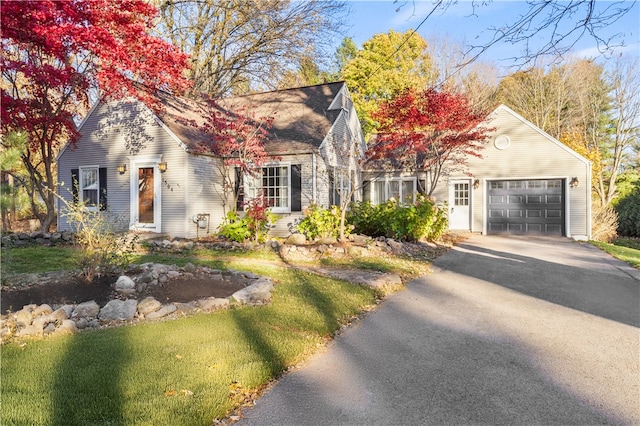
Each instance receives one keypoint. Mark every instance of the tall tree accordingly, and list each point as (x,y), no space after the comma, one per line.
(239,45)
(55,52)
(429,130)
(386,65)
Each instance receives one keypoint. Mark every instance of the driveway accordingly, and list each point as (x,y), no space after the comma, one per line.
(506,330)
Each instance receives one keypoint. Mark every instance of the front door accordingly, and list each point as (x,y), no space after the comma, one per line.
(460,204)
(145,195)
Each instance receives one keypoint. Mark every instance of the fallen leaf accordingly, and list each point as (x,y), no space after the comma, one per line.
(186,392)
(171,392)
(178,356)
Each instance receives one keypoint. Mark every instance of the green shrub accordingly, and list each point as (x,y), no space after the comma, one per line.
(253,225)
(404,222)
(319,222)
(628,209)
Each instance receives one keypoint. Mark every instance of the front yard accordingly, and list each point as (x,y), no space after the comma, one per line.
(192,370)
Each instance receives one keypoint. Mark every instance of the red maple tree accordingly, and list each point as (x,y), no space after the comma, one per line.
(58,57)
(238,137)
(428,130)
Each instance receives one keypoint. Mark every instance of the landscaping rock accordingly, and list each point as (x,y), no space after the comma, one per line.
(148,305)
(115,310)
(147,277)
(125,285)
(82,323)
(185,308)
(30,330)
(86,310)
(162,312)
(42,310)
(257,292)
(67,326)
(50,328)
(24,316)
(189,267)
(297,239)
(213,303)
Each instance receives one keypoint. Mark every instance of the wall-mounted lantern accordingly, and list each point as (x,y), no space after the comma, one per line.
(476,184)
(162,166)
(122,168)
(574,182)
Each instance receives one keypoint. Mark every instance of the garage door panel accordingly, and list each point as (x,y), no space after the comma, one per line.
(526,207)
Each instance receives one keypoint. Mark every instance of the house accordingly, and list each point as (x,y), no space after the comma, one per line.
(525,183)
(144,170)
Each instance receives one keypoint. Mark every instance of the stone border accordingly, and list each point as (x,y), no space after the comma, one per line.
(44,320)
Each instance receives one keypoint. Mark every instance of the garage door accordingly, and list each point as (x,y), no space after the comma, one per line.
(526,207)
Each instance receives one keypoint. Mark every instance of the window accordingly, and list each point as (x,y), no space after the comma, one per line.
(89,186)
(400,189)
(280,185)
(461,194)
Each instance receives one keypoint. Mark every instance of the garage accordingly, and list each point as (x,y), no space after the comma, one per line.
(534,206)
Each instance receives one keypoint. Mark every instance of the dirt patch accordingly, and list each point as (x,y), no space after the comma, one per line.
(74,290)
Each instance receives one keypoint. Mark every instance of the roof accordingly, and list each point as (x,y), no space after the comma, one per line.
(301,116)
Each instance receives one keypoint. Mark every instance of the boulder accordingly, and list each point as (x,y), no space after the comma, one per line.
(297,239)
(67,326)
(257,292)
(118,310)
(42,310)
(213,303)
(162,312)
(189,267)
(125,285)
(30,330)
(24,316)
(148,305)
(86,310)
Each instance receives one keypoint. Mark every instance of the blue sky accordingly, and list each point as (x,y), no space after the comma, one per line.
(372,17)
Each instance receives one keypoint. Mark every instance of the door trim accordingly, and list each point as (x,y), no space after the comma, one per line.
(451,201)
(136,163)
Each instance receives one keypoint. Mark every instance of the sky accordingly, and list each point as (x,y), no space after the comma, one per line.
(461,24)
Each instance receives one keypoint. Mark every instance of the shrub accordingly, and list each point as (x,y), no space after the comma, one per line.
(604,222)
(253,225)
(628,209)
(319,222)
(103,249)
(404,222)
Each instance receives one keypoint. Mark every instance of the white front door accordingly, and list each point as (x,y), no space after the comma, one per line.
(460,204)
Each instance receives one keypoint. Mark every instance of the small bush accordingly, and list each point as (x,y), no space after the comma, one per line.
(253,225)
(628,209)
(404,222)
(103,250)
(604,223)
(319,222)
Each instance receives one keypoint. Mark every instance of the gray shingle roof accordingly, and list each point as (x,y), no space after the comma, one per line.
(301,116)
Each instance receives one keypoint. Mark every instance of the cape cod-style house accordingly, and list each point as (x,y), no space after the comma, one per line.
(143,169)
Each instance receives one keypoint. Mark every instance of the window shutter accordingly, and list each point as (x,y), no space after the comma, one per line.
(296,187)
(239,189)
(366,190)
(75,184)
(102,187)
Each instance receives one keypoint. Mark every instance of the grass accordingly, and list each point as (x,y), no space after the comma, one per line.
(186,371)
(625,249)
(36,259)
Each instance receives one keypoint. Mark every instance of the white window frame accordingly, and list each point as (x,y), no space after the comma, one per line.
(252,188)
(387,189)
(81,188)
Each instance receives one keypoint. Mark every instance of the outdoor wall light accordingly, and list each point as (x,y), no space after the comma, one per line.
(574,182)
(122,168)
(162,166)
(476,184)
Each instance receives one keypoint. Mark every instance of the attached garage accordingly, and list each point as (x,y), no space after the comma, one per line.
(534,206)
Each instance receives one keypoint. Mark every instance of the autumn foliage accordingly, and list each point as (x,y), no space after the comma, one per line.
(58,57)
(428,130)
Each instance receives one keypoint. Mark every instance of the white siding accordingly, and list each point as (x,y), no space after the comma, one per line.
(530,155)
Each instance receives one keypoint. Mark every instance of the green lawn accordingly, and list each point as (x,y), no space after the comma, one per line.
(188,371)
(627,250)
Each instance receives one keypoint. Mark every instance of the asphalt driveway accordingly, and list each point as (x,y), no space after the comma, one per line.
(506,330)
